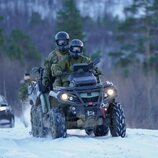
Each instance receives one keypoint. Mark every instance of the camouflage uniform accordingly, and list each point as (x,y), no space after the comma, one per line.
(53,58)
(65,65)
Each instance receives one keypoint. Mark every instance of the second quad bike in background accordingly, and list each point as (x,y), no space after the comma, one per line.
(6,113)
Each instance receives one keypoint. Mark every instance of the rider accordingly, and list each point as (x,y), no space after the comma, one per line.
(23,89)
(61,50)
(65,65)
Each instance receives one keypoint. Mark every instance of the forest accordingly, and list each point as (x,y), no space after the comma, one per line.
(127,47)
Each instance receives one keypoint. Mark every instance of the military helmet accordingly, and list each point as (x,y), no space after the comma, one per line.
(62,41)
(76,48)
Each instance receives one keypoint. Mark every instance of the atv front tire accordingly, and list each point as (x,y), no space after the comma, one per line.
(57,123)
(117,120)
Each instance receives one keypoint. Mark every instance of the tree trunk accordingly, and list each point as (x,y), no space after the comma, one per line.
(149,76)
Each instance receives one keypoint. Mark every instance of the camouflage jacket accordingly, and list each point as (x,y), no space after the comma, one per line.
(53,58)
(23,90)
(65,65)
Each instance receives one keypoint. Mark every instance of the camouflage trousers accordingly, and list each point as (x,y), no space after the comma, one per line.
(61,82)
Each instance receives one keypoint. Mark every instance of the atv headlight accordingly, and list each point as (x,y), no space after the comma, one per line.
(64,96)
(110,92)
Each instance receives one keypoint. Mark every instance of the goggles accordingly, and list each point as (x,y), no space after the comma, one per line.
(62,42)
(76,49)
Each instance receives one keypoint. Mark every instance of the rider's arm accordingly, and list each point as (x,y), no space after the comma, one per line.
(58,69)
(47,68)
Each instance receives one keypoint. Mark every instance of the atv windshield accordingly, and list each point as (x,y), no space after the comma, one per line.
(84,67)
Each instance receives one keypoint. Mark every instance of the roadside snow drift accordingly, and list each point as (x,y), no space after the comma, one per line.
(18,143)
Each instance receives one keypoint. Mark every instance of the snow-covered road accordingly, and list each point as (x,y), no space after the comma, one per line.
(18,143)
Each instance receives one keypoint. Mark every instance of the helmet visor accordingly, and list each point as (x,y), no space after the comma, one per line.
(76,49)
(62,42)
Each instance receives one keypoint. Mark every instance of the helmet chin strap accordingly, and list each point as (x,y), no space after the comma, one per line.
(75,55)
(63,50)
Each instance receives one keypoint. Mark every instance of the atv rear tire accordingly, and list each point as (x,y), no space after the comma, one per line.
(57,123)
(117,123)
(101,130)
(34,122)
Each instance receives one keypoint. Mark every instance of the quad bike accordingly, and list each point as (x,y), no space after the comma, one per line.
(85,104)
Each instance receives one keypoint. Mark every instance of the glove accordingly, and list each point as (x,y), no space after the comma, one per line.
(58,73)
(97,72)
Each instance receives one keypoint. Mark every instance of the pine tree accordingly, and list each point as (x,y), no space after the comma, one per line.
(70,20)
(1,38)
(138,33)
(21,47)
(139,48)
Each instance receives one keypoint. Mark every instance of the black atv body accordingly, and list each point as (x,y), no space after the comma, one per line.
(89,104)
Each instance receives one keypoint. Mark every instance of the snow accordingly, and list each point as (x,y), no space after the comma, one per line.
(18,143)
